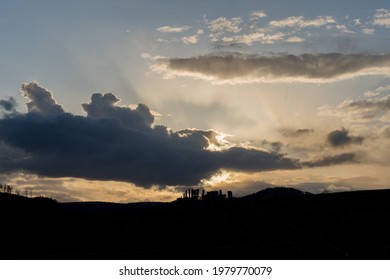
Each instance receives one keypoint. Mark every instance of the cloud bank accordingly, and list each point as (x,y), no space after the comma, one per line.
(243,68)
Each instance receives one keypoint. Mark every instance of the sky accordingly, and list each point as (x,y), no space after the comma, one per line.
(128,101)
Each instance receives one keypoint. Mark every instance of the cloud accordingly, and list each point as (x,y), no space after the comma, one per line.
(295,39)
(244,68)
(274,146)
(368,31)
(105,106)
(249,39)
(173,29)
(382,18)
(221,25)
(121,143)
(335,188)
(342,28)
(190,39)
(301,22)
(359,110)
(296,133)
(332,160)
(258,14)
(41,100)
(378,91)
(8,105)
(341,137)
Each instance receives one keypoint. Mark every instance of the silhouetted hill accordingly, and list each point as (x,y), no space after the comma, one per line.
(271,224)
(276,192)
(93,207)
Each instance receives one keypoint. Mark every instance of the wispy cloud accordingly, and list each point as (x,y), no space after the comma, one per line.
(368,31)
(173,29)
(295,39)
(302,22)
(361,110)
(243,68)
(378,91)
(251,38)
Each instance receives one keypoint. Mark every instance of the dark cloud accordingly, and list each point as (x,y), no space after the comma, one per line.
(104,106)
(238,67)
(295,133)
(332,160)
(341,137)
(41,100)
(8,105)
(121,143)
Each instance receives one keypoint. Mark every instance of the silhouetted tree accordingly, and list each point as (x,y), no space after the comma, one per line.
(9,189)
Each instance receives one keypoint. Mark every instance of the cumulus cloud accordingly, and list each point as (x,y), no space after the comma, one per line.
(105,106)
(173,29)
(245,68)
(341,137)
(190,39)
(121,143)
(382,18)
(41,100)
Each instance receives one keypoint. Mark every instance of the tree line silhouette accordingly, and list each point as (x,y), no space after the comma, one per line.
(5,188)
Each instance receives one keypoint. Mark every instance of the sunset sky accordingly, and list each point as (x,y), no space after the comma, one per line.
(138,100)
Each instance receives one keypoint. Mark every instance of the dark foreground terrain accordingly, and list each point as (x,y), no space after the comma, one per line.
(272,224)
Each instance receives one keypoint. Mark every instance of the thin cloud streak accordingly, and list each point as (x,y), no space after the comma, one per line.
(301,22)
(172,29)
